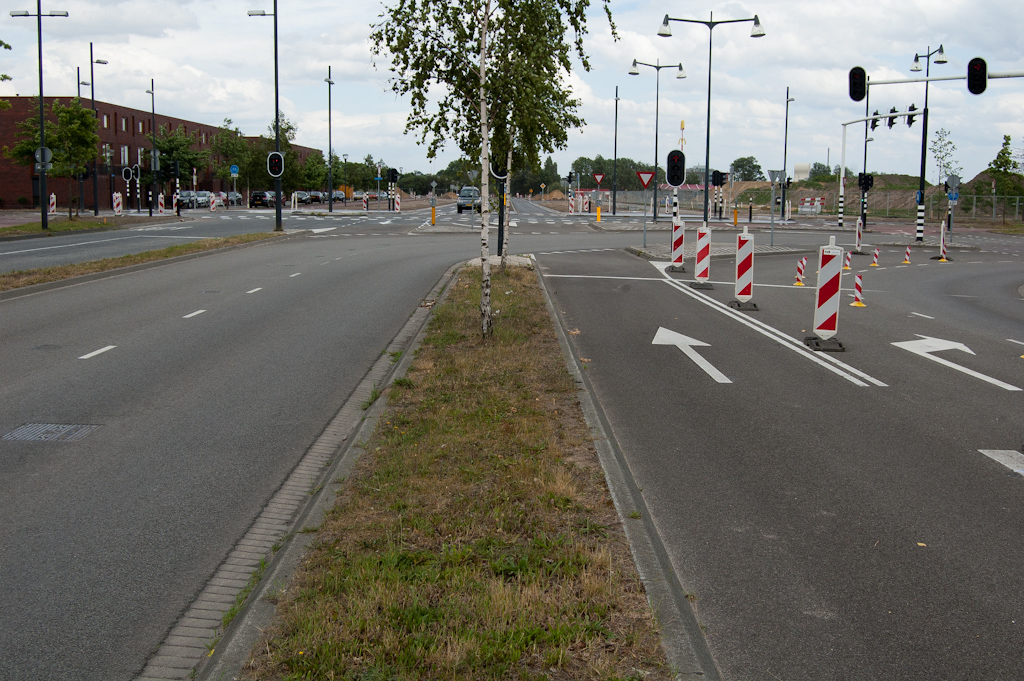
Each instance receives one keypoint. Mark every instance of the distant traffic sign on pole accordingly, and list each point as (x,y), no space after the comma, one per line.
(645,177)
(598,177)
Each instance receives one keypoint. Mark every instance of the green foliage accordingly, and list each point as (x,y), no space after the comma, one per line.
(229,147)
(177,145)
(746,169)
(70,135)
(4,104)
(314,171)
(942,151)
(625,168)
(1006,171)
(819,172)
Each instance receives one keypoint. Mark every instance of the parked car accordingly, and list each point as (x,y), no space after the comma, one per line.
(187,198)
(316,197)
(259,199)
(235,198)
(469,199)
(358,196)
(300,196)
(203,199)
(340,196)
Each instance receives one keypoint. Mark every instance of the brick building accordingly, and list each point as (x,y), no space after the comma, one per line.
(123,142)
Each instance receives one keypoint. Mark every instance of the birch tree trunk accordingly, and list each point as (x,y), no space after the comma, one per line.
(485,170)
(507,208)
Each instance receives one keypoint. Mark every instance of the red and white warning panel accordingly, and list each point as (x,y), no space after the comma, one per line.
(678,234)
(826,300)
(744,266)
(703,270)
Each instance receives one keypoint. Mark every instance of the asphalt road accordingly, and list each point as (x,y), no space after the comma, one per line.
(832,515)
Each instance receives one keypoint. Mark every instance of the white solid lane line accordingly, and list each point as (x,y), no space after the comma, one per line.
(1010,458)
(194,314)
(255,290)
(1015,341)
(97,352)
(918,314)
(294,275)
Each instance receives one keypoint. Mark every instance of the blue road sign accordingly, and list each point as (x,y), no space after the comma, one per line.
(234,170)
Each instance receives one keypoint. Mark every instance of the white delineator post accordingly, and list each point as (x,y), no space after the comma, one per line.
(213,203)
(117,203)
(364,202)
(744,266)
(846,263)
(800,265)
(826,299)
(703,269)
(398,202)
(874,260)
(678,232)
(906,257)
(942,243)
(860,231)
(160,204)
(53,204)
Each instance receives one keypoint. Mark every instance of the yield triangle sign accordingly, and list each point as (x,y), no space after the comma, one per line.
(645,177)
(598,177)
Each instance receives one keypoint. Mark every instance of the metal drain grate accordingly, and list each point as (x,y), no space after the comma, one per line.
(49,432)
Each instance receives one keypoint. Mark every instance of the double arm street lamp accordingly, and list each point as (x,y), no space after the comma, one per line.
(92,98)
(152,154)
(278,227)
(330,149)
(43,201)
(940,58)
(665,31)
(657,66)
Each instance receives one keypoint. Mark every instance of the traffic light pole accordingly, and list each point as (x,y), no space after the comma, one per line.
(842,163)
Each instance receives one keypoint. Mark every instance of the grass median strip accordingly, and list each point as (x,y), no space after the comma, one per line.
(476,537)
(43,275)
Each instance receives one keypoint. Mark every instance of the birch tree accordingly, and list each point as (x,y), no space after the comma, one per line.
(441,54)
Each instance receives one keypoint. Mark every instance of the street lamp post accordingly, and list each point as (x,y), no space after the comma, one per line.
(344,175)
(785,147)
(81,199)
(665,32)
(43,201)
(330,149)
(152,154)
(634,71)
(615,161)
(940,58)
(278,227)
(92,98)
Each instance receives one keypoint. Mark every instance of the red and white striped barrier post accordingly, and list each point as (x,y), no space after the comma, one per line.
(702,272)
(800,265)
(846,262)
(213,203)
(53,204)
(906,257)
(364,202)
(744,271)
(160,204)
(826,299)
(678,235)
(858,292)
(942,243)
(117,203)
(398,202)
(860,231)
(874,260)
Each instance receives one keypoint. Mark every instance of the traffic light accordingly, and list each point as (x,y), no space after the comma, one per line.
(911,117)
(892,119)
(865,181)
(392,174)
(874,121)
(570,177)
(860,180)
(176,169)
(676,168)
(858,84)
(789,181)
(977,76)
(717,178)
(275,164)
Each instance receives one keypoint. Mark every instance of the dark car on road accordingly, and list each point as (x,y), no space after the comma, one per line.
(262,199)
(316,197)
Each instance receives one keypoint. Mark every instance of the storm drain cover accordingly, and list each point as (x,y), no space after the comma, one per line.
(49,432)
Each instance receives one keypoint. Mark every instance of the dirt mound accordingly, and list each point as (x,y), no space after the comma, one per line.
(555,195)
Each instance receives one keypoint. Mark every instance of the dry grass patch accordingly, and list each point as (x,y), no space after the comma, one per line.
(43,275)
(468,543)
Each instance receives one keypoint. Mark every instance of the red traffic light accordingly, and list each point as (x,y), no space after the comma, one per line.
(977,76)
(858,84)
(675,168)
(275,163)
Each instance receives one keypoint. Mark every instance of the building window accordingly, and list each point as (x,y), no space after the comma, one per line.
(124,154)
(140,127)
(106,121)
(204,138)
(124,125)
(139,154)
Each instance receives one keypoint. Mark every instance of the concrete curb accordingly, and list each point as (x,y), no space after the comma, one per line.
(681,636)
(86,278)
(334,453)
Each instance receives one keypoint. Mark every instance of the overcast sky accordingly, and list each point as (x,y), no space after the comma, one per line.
(211,61)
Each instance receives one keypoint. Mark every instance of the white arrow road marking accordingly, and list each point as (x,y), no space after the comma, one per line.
(321,230)
(928,345)
(687,345)
(1010,458)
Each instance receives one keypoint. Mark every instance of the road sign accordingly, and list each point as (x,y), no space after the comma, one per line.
(234,171)
(598,177)
(44,155)
(44,166)
(645,177)
(686,344)
(433,184)
(542,185)
(928,345)
(775,176)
